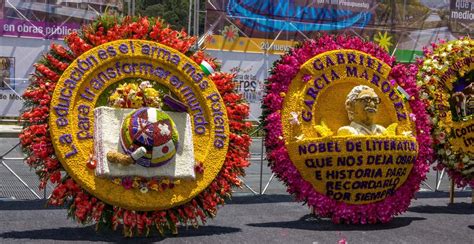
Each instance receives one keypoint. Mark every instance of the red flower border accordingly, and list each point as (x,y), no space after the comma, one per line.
(282,74)
(84,207)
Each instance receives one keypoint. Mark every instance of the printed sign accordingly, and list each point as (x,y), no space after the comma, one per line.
(10,88)
(274,26)
(49,20)
(36,29)
(462,10)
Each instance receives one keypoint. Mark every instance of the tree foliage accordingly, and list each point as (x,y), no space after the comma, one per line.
(175,12)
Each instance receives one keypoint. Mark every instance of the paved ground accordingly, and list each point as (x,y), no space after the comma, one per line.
(256,219)
(248,218)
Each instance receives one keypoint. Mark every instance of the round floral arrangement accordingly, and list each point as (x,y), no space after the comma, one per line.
(38,136)
(446,78)
(287,138)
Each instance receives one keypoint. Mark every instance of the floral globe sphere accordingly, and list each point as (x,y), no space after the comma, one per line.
(152,129)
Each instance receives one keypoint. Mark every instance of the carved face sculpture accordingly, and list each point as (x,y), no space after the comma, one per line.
(469,93)
(365,107)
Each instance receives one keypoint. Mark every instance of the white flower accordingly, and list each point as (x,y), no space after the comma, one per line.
(449,47)
(145,84)
(299,138)
(465,159)
(119,102)
(144,190)
(132,94)
(294,118)
(427,78)
(444,54)
(164,129)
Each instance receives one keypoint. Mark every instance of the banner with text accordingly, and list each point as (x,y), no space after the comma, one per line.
(402,28)
(251,71)
(50,20)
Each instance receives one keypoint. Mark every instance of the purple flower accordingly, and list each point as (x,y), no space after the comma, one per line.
(306,78)
(127,183)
